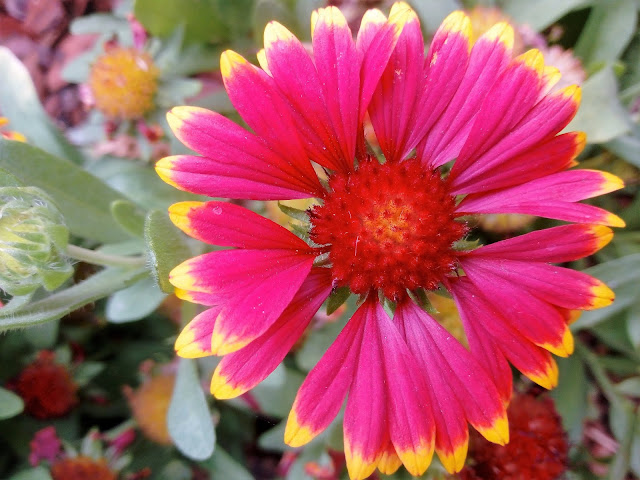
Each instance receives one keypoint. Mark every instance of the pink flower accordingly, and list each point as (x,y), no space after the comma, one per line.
(391,228)
(45,446)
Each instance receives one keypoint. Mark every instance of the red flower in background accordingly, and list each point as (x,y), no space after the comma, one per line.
(46,387)
(537,450)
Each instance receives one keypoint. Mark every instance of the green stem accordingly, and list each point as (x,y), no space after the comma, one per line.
(98,258)
(598,372)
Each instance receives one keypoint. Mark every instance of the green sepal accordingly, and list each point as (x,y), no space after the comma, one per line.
(419,296)
(295,213)
(337,299)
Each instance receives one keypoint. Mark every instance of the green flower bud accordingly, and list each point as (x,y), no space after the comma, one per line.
(33,239)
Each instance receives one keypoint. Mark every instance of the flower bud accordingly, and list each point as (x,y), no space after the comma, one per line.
(33,239)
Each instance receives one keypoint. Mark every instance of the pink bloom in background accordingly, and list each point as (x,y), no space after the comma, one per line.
(389,228)
(45,446)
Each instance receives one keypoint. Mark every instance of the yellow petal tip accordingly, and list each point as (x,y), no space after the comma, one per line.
(295,434)
(498,432)
(603,296)
(453,462)
(222,389)
(229,60)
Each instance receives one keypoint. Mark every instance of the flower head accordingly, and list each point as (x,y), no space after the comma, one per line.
(33,239)
(123,83)
(81,468)
(45,446)
(389,228)
(47,388)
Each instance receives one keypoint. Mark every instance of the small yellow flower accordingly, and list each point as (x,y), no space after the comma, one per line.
(123,83)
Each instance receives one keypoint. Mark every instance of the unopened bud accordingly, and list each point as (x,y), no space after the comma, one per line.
(33,239)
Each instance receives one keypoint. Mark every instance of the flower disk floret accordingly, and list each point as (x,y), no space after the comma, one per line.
(465,130)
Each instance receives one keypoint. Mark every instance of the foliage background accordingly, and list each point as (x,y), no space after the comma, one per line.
(106,325)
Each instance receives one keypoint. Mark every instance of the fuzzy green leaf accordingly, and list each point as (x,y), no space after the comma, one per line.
(166,247)
(295,213)
(129,216)
(540,14)
(38,473)
(223,465)
(200,18)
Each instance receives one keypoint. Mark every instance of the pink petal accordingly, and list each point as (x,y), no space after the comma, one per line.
(553,245)
(195,339)
(376,40)
(444,70)
(551,197)
(510,98)
(338,65)
(215,178)
(549,157)
(411,423)
(534,318)
(231,155)
(365,418)
(489,56)
(229,225)
(259,103)
(393,105)
(297,79)
(253,287)
(461,389)
(533,361)
(560,286)
(240,371)
(322,393)
(543,121)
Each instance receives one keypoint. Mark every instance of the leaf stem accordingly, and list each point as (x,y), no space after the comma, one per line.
(98,258)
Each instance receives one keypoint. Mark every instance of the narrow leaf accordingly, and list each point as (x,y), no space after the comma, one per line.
(188,420)
(65,301)
(20,104)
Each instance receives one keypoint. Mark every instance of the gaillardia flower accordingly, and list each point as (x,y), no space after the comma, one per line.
(123,82)
(389,228)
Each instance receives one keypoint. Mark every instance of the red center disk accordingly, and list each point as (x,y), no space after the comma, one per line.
(389,227)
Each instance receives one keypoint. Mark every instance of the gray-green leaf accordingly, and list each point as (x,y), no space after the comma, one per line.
(166,247)
(188,420)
